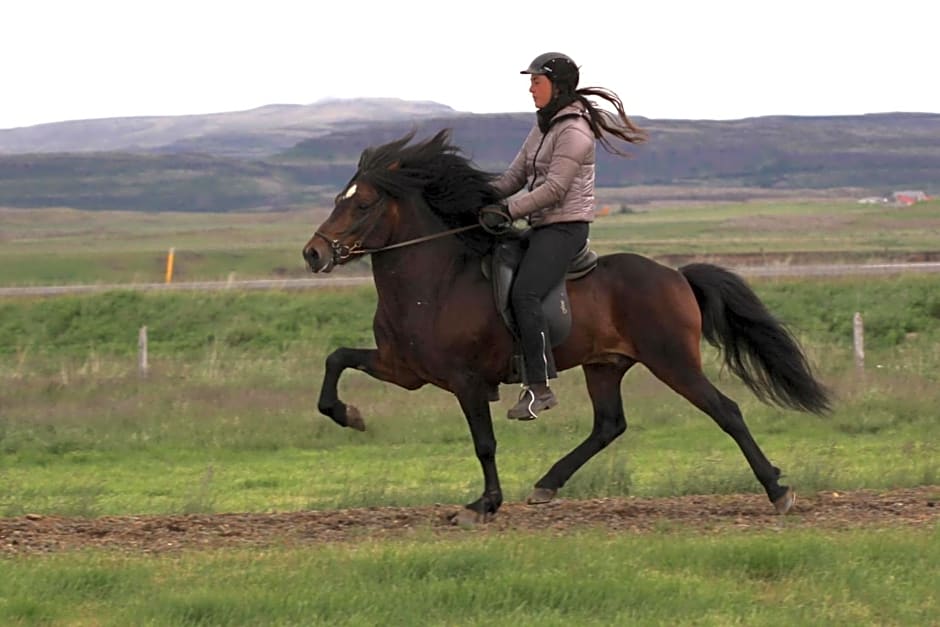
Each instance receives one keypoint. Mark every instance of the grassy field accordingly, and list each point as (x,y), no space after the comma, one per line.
(862,577)
(778,230)
(226,422)
(41,247)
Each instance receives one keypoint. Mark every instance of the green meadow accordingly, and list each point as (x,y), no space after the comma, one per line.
(226,421)
(861,577)
(65,246)
(226,418)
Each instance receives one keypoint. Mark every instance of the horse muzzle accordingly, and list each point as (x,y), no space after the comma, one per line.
(318,261)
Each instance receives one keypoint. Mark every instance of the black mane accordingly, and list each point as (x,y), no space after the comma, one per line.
(435,171)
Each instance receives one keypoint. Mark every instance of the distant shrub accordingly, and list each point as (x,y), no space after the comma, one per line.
(893,310)
(186,323)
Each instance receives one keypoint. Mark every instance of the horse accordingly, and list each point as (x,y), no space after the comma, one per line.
(414,207)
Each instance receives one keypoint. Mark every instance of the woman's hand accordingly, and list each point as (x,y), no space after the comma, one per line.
(495,219)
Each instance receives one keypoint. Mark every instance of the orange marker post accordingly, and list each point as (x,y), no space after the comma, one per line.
(169,265)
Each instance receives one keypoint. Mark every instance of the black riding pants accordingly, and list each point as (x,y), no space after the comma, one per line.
(547,257)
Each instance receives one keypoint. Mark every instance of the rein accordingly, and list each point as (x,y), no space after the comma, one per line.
(418,240)
(342,252)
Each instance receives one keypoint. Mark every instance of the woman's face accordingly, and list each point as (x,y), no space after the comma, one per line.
(541,90)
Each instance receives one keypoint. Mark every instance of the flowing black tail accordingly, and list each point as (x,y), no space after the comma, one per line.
(755,345)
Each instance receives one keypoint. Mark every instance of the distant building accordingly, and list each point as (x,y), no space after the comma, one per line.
(908,197)
(872,200)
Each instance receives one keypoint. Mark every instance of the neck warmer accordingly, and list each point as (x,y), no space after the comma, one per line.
(546,113)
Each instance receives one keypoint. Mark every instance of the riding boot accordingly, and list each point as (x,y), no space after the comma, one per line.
(535,398)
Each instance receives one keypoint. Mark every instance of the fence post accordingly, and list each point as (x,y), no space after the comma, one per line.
(858,337)
(143,367)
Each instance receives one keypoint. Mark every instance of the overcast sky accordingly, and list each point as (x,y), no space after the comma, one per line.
(707,59)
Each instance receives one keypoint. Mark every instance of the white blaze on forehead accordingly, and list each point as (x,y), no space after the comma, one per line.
(350,191)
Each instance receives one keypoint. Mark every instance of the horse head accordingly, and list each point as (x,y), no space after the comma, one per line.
(397,185)
(358,223)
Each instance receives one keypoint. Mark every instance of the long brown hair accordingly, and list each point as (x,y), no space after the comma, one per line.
(605,123)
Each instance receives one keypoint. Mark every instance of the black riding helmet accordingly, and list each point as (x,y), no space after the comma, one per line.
(559,68)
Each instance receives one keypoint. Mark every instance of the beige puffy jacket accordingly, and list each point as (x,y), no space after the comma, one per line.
(556,170)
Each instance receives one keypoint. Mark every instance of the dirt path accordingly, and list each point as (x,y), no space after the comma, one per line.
(33,534)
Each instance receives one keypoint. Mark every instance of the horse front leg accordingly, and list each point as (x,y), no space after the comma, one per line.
(474,401)
(371,361)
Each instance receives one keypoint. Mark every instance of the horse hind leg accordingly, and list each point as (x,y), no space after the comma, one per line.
(603,383)
(686,378)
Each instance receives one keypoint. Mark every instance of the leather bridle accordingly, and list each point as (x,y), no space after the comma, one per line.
(343,252)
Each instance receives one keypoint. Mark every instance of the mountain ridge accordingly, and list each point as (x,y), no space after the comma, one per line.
(285,123)
(289,156)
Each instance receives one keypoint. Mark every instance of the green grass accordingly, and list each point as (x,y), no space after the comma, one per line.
(185,325)
(835,230)
(42,247)
(69,246)
(898,312)
(227,420)
(220,448)
(789,577)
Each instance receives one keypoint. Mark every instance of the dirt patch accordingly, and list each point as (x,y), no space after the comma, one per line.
(708,513)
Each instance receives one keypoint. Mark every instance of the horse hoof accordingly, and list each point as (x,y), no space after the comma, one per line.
(540,496)
(354,419)
(466,518)
(785,502)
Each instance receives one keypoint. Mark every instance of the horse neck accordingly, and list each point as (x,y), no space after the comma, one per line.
(417,269)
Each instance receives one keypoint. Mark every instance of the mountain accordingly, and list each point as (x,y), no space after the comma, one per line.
(876,150)
(256,132)
(288,156)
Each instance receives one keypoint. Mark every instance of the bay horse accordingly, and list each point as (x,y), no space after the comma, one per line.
(414,207)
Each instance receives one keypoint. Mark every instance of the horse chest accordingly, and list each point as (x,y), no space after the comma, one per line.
(410,329)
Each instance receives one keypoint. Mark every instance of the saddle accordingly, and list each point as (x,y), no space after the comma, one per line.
(500,267)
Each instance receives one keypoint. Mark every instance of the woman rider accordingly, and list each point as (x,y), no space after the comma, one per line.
(554,171)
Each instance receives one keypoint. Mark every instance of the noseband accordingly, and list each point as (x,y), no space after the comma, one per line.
(341,252)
